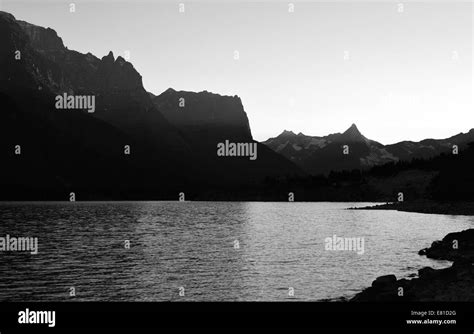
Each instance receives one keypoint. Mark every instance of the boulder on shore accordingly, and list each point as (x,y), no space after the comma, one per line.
(455,283)
(454,246)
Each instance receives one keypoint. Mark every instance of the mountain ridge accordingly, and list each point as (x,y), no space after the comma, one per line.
(322,154)
(165,158)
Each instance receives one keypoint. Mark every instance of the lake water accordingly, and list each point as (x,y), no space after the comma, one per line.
(192,245)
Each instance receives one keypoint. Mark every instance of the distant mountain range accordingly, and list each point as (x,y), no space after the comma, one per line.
(320,155)
(171,138)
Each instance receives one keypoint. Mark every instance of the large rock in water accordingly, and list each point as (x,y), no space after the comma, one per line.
(454,246)
(384,281)
(455,283)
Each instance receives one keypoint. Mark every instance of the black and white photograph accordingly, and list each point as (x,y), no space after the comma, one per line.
(236,164)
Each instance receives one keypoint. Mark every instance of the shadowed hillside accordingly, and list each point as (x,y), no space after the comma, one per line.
(126,147)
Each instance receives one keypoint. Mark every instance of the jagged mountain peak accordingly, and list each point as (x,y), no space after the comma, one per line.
(353,126)
(352,134)
(109,58)
(352,129)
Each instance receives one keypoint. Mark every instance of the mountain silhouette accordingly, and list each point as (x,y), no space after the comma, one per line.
(172,137)
(205,116)
(352,135)
(427,148)
(73,150)
(205,119)
(324,154)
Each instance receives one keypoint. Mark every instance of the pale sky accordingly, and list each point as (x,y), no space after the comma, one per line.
(398,73)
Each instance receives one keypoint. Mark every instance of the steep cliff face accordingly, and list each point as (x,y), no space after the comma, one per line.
(16,73)
(120,97)
(42,39)
(221,116)
(207,120)
(64,150)
(74,72)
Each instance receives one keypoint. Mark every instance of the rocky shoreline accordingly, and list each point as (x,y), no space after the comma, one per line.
(424,206)
(455,283)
